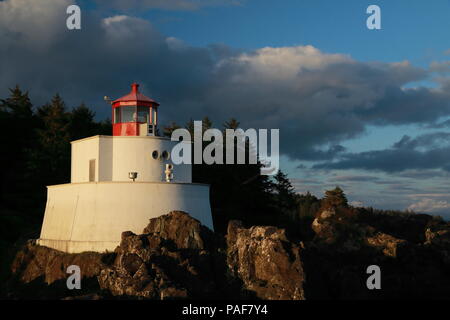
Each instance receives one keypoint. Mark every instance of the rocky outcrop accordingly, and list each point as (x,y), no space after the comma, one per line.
(438,235)
(40,272)
(347,242)
(266,262)
(177,258)
(387,244)
(169,261)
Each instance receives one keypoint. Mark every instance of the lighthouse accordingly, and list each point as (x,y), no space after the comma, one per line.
(119,182)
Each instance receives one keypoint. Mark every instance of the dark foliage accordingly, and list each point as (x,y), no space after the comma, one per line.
(37,145)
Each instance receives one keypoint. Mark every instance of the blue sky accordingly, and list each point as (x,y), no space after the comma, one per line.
(364,109)
(415,30)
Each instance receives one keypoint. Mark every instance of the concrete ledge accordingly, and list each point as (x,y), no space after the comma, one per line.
(78,246)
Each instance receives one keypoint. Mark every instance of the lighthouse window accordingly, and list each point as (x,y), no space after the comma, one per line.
(117,115)
(142,114)
(155,154)
(92,170)
(165,155)
(129,114)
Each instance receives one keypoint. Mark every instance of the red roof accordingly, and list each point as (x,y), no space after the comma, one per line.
(135,95)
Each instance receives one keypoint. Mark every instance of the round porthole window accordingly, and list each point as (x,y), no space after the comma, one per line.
(165,155)
(155,154)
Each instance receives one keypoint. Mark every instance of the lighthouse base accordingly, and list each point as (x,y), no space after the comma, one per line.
(92,216)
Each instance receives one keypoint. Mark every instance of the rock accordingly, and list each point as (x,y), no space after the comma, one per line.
(168,261)
(178,258)
(41,272)
(320,225)
(438,235)
(388,244)
(185,231)
(266,262)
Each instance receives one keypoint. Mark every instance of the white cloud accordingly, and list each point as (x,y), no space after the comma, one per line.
(356,204)
(429,205)
(284,63)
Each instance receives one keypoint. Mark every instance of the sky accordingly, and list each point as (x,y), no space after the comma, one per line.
(367,110)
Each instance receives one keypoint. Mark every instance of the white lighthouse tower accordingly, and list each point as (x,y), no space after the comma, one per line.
(119,182)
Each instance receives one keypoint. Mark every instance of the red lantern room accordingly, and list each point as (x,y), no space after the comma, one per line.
(134,114)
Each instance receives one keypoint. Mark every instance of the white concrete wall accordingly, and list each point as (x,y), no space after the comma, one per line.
(82,152)
(92,216)
(117,156)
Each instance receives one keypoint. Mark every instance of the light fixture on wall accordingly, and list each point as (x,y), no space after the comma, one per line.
(132,175)
(169,172)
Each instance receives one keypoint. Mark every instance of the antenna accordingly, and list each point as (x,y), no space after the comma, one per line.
(108,99)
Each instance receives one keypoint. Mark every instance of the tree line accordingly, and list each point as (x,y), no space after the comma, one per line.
(36,153)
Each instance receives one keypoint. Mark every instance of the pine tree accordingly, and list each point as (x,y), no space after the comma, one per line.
(284,193)
(52,158)
(81,123)
(190,127)
(206,124)
(167,130)
(231,124)
(335,198)
(17,138)
(308,205)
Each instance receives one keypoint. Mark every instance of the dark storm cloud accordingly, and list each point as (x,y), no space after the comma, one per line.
(428,151)
(316,99)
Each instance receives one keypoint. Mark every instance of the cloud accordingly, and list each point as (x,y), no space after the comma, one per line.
(356,204)
(427,151)
(352,178)
(440,125)
(317,99)
(440,66)
(428,205)
(32,24)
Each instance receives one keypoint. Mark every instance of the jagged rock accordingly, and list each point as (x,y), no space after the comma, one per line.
(266,262)
(323,227)
(388,244)
(168,261)
(177,258)
(41,272)
(438,235)
(184,231)
(338,228)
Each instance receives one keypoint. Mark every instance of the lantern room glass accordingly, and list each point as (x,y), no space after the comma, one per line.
(143,114)
(139,114)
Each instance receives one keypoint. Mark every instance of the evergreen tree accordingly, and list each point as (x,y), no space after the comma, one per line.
(167,130)
(308,205)
(190,127)
(51,160)
(231,124)
(81,123)
(206,124)
(335,198)
(17,137)
(284,194)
